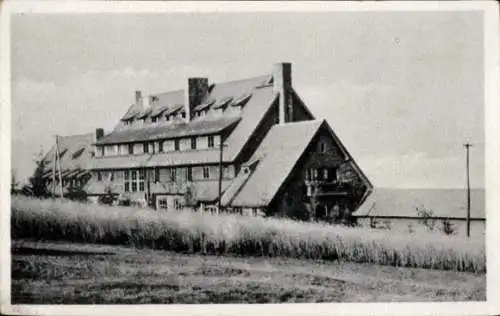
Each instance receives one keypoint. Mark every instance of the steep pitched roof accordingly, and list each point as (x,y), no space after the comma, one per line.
(235,89)
(168,98)
(447,203)
(75,152)
(258,97)
(275,158)
(252,114)
(132,112)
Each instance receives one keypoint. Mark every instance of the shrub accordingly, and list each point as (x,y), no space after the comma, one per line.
(426,217)
(448,227)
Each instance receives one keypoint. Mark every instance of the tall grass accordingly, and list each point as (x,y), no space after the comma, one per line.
(188,231)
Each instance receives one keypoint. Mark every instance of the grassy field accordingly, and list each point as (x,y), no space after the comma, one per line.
(68,273)
(190,232)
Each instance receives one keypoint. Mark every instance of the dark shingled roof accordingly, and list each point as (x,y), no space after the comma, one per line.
(196,127)
(77,153)
(168,98)
(260,98)
(203,106)
(132,112)
(144,113)
(174,108)
(445,203)
(158,110)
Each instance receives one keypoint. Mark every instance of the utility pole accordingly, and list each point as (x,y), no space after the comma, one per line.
(219,205)
(467,146)
(58,159)
(54,174)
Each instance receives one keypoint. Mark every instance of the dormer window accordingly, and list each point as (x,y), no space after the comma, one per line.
(210,141)
(241,101)
(193,142)
(222,104)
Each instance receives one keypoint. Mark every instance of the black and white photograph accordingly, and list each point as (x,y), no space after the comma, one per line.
(232,154)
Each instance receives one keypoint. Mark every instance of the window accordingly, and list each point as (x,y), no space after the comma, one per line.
(325,174)
(153,119)
(101,151)
(162,203)
(183,114)
(130,149)
(134,180)
(176,144)
(173,174)
(127,183)
(111,176)
(157,174)
(160,146)
(189,174)
(322,147)
(193,142)
(210,141)
(99,176)
(206,173)
(145,147)
(177,204)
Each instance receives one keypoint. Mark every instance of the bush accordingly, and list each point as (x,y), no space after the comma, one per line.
(448,227)
(427,217)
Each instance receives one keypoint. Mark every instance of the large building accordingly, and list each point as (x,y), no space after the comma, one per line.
(249,145)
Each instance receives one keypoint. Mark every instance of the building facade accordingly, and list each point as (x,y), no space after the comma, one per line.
(417,210)
(249,146)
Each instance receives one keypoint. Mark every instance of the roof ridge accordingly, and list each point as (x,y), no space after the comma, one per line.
(315,121)
(75,135)
(215,83)
(167,92)
(243,79)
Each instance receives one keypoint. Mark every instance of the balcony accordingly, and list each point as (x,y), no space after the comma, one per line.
(328,188)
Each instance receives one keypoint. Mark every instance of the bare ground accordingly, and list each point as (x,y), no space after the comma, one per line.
(65,273)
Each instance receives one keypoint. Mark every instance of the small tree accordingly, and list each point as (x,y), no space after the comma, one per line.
(36,186)
(109,197)
(76,191)
(448,227)
(426,217)
(14,184)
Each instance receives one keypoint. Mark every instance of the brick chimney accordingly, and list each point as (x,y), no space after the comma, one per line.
(282,82)
(99,133)
(195,92)
(138,99)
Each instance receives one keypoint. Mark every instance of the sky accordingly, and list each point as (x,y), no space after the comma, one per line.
(402,90)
